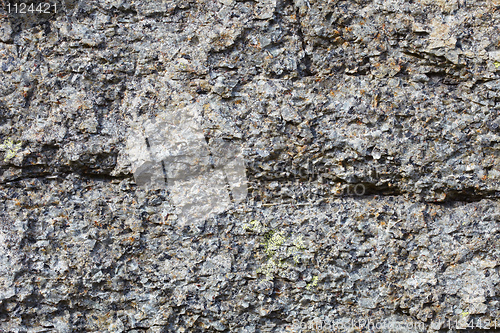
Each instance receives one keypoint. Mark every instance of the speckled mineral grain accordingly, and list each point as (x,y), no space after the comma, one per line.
(368,132)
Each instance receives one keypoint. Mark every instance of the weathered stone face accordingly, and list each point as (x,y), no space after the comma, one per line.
(369,135)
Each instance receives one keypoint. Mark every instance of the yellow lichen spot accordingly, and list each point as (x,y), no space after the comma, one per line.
(313,283)
(299,243)
(10,149)
(279,250)
(254,226)
(275,240)
(497,64)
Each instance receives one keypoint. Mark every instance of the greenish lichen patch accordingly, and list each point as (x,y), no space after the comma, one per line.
(282,251)
(274,241)
(254,226)
(10,148)
(313,283)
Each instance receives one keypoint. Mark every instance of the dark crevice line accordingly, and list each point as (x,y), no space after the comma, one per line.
(452,195)
(306,61)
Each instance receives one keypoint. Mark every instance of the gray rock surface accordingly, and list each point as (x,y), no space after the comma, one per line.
(371,137)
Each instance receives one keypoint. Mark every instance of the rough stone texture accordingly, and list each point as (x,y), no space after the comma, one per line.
(398,99)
